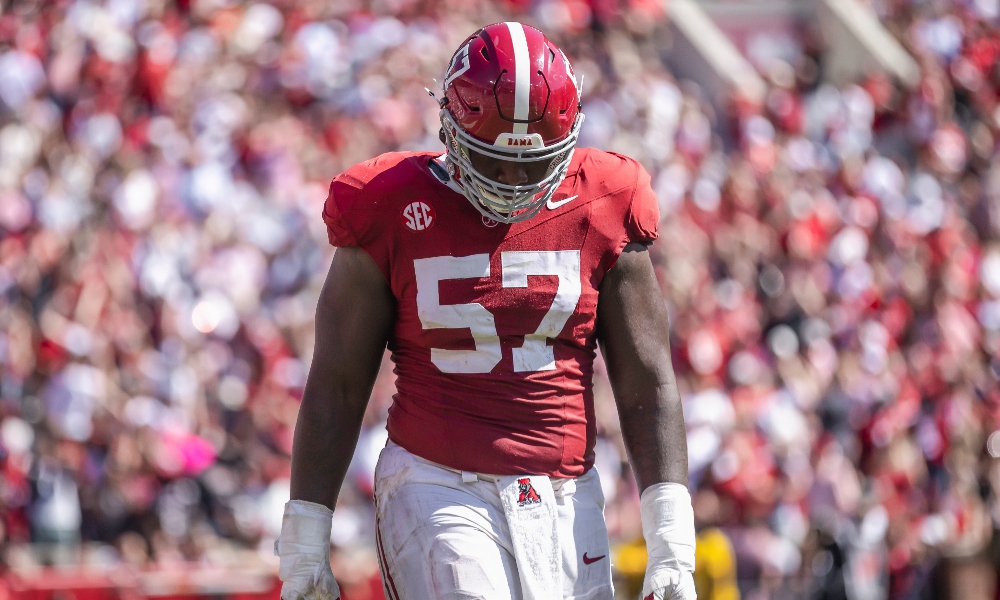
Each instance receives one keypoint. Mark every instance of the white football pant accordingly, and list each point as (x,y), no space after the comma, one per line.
(443,535)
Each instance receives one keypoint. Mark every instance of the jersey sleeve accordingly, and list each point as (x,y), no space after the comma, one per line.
(357,209)
(625,209)
(338,228)
(644,211)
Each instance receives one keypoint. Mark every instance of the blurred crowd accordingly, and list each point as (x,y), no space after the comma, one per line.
(831,260)
(834,278)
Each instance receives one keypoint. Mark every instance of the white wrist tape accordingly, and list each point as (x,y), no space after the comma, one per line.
(668,527)
(304,549)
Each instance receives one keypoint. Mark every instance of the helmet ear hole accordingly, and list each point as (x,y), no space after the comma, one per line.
(441,136)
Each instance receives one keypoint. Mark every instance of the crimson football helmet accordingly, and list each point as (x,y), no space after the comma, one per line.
(509,94)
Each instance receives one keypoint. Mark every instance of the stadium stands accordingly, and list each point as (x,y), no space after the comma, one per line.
(830,255)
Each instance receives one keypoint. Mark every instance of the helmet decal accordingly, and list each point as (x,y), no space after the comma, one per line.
(569,72)
(455,69)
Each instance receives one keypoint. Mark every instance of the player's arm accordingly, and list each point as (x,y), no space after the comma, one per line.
(353,319)
(634,335)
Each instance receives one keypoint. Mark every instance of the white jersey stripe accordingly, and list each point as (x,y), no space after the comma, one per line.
(522,76)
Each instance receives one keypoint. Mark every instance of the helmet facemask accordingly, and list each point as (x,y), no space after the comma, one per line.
(499,201)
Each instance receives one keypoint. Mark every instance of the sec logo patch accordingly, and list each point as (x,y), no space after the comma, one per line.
(417,216)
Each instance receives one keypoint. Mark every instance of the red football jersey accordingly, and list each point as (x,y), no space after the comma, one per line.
(494,338)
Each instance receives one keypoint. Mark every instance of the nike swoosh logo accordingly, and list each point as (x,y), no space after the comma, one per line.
(586,559)
(554,204)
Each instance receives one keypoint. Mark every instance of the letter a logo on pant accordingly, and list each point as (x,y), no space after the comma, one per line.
(527,493)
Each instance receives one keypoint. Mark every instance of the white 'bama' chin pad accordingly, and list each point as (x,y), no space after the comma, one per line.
(517,141)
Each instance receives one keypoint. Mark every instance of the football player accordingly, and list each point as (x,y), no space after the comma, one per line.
(493,272)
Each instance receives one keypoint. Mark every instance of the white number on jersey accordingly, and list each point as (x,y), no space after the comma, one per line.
(535,354)
(434,315)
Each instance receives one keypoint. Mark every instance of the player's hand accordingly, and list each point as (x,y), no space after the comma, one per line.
(304,550)
(679,586)
(319,586)
(668,526)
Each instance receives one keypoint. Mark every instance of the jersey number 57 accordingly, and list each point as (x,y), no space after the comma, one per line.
(535,354)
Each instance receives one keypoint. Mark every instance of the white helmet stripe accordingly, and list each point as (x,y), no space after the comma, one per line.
(522,75)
